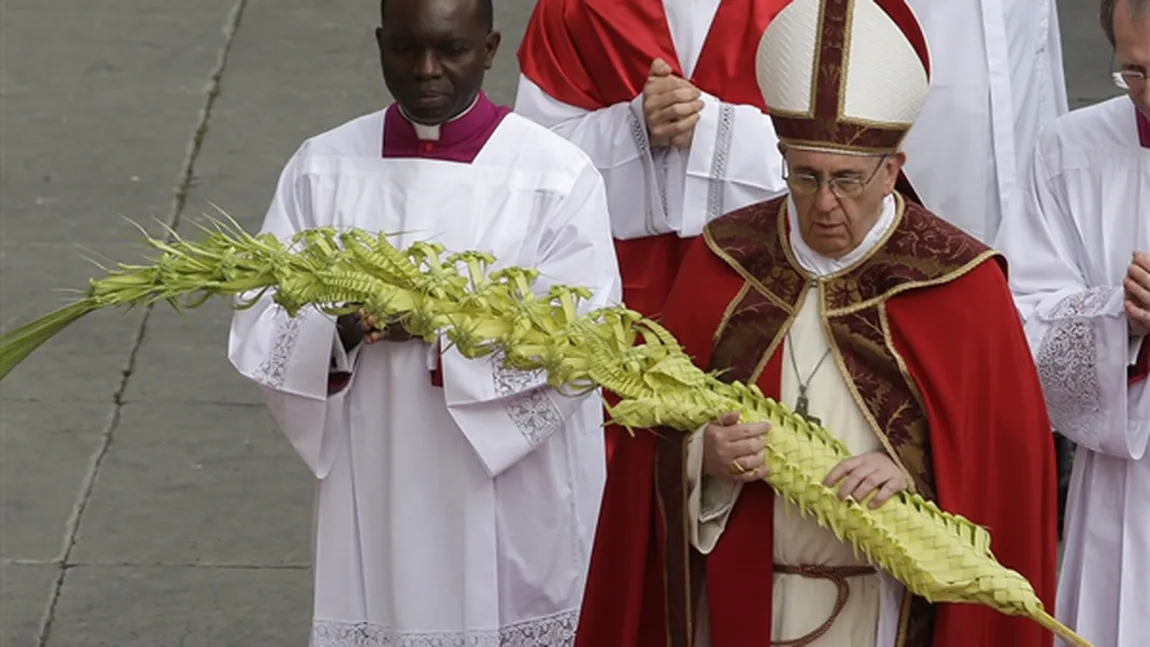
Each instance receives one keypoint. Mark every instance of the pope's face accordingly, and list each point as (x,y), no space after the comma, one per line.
(839,197)
(1132,52)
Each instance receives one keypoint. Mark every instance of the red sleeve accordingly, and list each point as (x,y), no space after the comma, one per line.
(337,381)
(437,373)
(991,440)
(624,597)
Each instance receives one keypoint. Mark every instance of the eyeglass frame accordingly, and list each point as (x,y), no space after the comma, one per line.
(1120,76)
(832,182)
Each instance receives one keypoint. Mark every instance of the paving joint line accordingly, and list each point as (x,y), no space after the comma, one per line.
(208,565)
(179,200)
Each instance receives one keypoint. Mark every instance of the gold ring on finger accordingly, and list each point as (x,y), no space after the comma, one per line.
(737,469)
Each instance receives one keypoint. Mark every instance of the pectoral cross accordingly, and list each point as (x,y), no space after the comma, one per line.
(802,406)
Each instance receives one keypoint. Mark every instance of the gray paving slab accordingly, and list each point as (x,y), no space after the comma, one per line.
(45,451)
(198,483)
(100,127)
(24,590)
(182,607)
(510,19)
(296,68)
(98,102)
(86,361)
(1086,53)
(184,359)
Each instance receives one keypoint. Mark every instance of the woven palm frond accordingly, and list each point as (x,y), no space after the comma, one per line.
(936,555)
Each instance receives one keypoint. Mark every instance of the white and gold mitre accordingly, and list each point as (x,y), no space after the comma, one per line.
(844,76)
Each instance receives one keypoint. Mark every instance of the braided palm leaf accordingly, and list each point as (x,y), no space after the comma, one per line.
(936,555)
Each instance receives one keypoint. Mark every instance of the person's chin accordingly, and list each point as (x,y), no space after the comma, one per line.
(828,242)
(429,110)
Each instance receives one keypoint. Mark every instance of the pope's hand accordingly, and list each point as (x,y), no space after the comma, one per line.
(862,475)
(735,451)
(1137,288)
(671,106)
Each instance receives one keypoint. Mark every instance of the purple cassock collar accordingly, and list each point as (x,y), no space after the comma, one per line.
(1143,128)
(459,140)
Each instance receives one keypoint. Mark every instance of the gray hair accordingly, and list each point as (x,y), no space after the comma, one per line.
(1109,8)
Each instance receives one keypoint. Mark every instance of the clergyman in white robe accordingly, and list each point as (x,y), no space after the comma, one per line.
(451,515)
(996,79)
(1086,211)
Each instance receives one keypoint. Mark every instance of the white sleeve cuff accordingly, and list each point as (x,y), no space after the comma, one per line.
(701,158)
(709,500)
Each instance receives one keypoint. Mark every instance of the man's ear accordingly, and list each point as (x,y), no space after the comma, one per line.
(894,164)
(493,40)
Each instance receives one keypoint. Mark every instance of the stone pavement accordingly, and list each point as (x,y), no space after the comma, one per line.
(147,500)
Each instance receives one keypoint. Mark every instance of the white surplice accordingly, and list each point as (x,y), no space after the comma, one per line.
(871,615)
(996,79)
(1086,210)
(459,516)
(733,160)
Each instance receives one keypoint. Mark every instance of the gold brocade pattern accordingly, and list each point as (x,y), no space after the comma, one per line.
(920,251)
(754,323)
(890,396)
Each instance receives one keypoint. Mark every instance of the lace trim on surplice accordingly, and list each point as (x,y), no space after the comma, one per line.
(715,188)
(1067,361)
(556,630)
(638,126)
(273,370)
(531,409)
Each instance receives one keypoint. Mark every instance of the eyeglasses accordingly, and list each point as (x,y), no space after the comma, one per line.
(806,184)
(1127,79)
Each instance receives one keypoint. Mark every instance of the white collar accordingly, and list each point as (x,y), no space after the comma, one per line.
(819,265)
(427,133)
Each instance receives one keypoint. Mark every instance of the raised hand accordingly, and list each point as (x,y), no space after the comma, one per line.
(671,106)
